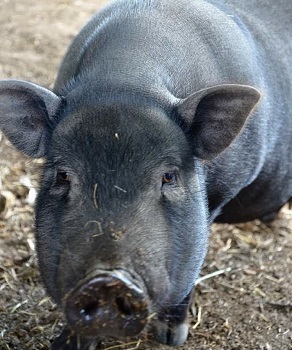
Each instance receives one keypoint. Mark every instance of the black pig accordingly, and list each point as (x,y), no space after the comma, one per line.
(165,116)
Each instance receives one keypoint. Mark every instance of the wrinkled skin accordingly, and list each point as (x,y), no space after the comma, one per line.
(148,141)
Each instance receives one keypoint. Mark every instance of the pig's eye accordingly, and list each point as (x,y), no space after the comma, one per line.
(169,179)
(63,177)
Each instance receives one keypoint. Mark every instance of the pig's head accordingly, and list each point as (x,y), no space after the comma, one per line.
(121,215)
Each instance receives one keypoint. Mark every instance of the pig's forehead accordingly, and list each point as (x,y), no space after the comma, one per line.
(144,131)
(119,146)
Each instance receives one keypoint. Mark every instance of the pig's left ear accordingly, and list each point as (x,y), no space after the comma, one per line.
(214,116)
(27,115)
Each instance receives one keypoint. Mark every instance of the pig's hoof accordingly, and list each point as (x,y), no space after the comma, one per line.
(69,341)
(172,336)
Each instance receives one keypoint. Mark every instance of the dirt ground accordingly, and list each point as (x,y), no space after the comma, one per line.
(247,305)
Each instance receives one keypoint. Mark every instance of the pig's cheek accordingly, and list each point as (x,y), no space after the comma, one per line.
(191,229)
(48,248)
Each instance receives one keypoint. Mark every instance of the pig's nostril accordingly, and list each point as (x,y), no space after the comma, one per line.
(124,306)
(89,311)
(107,304)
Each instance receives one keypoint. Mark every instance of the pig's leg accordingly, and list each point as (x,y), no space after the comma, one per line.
(172,327)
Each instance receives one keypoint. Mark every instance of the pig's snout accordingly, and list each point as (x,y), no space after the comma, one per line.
(108,304)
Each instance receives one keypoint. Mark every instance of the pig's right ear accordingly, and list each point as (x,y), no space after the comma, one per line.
(27,114)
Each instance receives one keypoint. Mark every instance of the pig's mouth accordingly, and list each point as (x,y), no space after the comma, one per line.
(107,303)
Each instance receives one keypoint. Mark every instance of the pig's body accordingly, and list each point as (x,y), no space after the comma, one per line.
(153,130)
(171,49)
